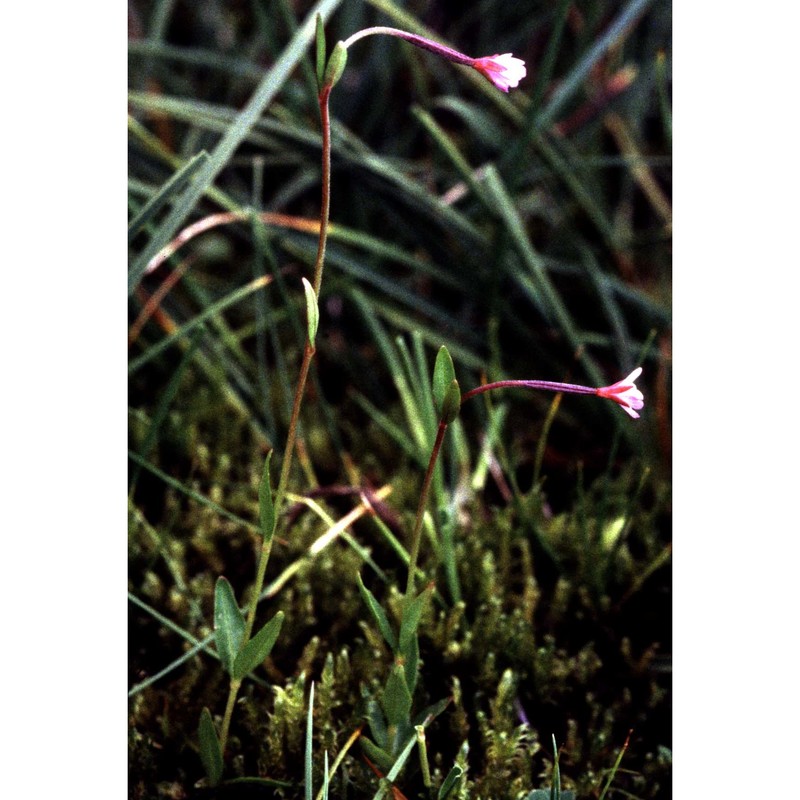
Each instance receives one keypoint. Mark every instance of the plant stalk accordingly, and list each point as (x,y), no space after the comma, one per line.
(291,438)
(423,501)
(226,720)
(550,386)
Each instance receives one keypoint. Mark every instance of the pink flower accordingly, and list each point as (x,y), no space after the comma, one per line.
(504,71)
(625,393)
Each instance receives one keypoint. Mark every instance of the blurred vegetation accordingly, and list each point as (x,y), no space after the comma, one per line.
(530,233)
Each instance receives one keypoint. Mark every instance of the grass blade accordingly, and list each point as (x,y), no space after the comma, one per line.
(216,308)
(172,188)
(309,783)
(572,83)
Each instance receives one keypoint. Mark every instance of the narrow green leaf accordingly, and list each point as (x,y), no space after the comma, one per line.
(555,791)
(536,281)
(661,75)
(228,624)
(409,621)
(411,663)
(378,614)
(258,648)
(444,374)
(480,122)
(325,778)
(613,769)
(419,372)
(208,313)
(309,782)
(377,723)
(377,755)
(398,765)
(321,51)
(396,700)
(546,66)
(408,645)
(197,57)
(418,406)
(450,149)
(449,782)
(431,712)
(392,429)
(185,490)
(572,83)
(266,509)
(210,749)
(312,311)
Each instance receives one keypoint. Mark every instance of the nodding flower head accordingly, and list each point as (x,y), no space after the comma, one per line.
(625,393)
(504,71)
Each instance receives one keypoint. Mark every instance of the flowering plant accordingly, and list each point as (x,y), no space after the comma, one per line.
(241,649)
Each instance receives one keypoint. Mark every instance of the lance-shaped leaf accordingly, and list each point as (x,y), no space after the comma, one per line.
(408,645)
(321,51)
(410,655)
(432,711)
(444,374)
(312,311)
(266,508)
(378,614)
(377,723)
(228,624)
(409,620)
(396,700)
(377,755)
(258,648)
(210,749)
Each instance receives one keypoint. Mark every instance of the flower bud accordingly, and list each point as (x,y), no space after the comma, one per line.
(336,65)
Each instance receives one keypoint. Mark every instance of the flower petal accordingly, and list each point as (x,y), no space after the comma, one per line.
(625,393)
(504,71)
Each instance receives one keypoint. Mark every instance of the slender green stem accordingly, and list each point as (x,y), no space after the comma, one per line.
(280,492)
(291,438)
(226,720)
(423,501)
